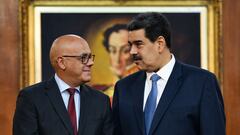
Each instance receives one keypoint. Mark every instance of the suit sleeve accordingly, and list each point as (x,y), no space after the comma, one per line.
(108,122)
(116,120)
(212,117)
(25,117)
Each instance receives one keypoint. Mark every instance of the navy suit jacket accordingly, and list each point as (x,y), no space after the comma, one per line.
(40,110)
(191,104)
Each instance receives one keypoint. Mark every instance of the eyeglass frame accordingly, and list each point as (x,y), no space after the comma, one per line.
(82,57)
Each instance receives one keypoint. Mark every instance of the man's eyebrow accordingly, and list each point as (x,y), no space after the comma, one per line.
(137,41)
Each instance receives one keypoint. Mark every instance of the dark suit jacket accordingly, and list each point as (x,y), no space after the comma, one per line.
(40,110)
(191,104)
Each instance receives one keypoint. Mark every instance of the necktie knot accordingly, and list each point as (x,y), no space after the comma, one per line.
(71,91)
(155,77)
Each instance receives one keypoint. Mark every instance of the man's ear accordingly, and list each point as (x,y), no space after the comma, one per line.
(61,63)
(161,42)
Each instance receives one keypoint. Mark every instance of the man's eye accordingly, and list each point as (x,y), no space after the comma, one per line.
(139,45)
(84,56)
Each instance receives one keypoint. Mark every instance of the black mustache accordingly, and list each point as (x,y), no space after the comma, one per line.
(136,57)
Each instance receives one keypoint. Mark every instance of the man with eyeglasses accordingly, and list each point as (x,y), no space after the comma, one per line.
(64,105)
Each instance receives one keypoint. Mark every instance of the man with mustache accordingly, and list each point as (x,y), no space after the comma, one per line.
(166,97)
(64,105)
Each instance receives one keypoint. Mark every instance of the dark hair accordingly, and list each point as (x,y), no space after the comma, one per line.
(154,24)
(109,31)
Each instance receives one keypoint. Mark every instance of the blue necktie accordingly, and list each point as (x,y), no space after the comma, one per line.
(150,105)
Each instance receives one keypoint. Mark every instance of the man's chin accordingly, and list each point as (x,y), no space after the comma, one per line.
(86,78)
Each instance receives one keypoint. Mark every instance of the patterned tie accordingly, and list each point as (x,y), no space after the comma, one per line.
(72,110)
(151,103)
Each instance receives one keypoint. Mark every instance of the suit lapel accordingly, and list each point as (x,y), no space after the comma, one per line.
(84,106)
(54,95)
(168,95)
(137,92)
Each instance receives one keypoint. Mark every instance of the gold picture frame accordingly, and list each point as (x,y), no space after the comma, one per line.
(31,10)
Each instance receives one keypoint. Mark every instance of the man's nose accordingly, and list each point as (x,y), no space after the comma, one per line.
(133,49)
(90,62)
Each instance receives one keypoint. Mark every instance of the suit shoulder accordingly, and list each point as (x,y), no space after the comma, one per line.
(32,93)
(132,77)
(34,88)
(95,93)
(196,71)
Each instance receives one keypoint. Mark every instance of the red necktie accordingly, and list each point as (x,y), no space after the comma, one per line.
(72,110)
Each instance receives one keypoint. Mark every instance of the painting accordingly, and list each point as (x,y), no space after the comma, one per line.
(191,41)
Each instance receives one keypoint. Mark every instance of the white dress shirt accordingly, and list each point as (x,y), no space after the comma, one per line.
(65,95)
(164,73)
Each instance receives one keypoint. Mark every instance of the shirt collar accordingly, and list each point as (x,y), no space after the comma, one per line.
(62,85)
(165,71)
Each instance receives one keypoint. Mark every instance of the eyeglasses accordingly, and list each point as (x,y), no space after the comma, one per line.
(84,58)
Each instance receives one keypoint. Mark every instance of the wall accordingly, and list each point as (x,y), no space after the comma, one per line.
(231,87)
(9,58)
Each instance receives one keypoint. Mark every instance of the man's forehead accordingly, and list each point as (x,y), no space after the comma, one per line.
(138,31)
(135,37)
(136,34)
(76,47)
